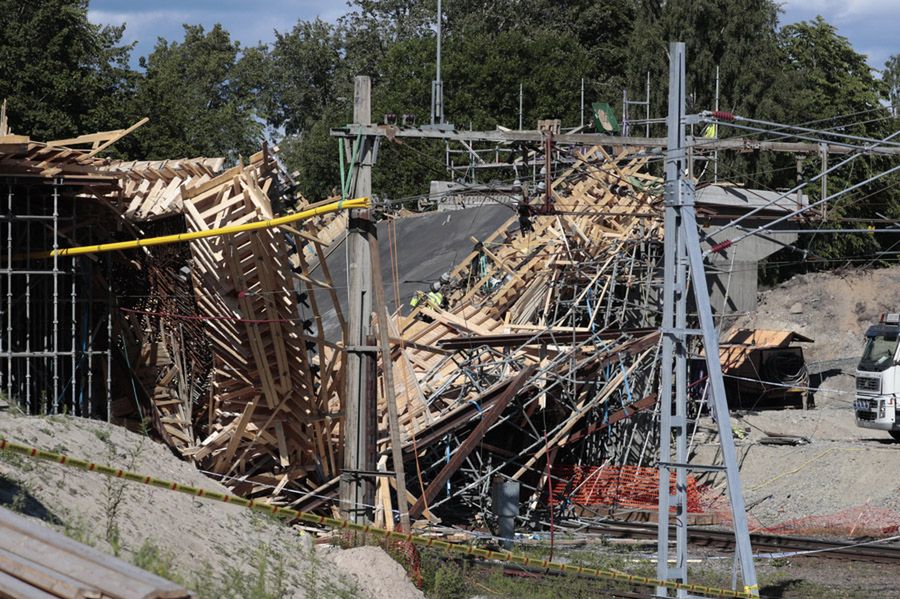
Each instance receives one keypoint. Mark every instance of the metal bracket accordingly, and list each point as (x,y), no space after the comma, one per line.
(362,349)
(698,467)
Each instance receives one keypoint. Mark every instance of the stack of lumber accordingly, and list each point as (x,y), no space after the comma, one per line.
(37,563)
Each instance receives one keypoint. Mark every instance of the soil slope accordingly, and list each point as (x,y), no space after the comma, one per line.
(215,549)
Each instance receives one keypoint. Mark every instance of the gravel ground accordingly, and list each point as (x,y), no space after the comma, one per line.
(843,466)
(218,549)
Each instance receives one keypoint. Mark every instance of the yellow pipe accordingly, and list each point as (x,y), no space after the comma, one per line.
(181,237)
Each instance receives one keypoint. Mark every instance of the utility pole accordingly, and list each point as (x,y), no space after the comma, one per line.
(437,86)
(683,255)
(581,124)
(357,492)
(521,89)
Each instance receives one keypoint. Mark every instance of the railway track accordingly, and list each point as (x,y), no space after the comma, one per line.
(767,543)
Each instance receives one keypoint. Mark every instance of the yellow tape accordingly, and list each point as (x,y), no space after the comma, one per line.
(334,523)
(358,203)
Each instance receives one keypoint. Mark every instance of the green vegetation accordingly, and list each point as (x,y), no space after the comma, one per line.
(208,95)
(266,579)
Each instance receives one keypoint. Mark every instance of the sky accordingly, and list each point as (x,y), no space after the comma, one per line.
(871,25)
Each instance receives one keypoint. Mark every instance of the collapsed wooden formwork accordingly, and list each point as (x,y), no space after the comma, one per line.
(512,280)
(271,412)
(519,313)
(268,419)
(544,351)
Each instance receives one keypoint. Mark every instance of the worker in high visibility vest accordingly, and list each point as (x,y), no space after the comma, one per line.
(433,298)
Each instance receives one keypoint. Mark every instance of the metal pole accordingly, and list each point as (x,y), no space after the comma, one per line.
(88,411)
(356,490)
(9,301)
(520,106)
(109,338)
(716,152)
(672,425)
(682,240)
(823,150)
(582,102)
(73,298)
(437,87)
(55,400)
(647,108)
(28,309)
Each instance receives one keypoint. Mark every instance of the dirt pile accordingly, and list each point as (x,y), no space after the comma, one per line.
(833,308)
(215,549)
(843,469)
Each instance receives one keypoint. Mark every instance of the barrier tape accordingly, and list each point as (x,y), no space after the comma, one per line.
(182,237)
(338,524)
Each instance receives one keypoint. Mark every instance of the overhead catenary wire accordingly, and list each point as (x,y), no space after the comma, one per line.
(795,189)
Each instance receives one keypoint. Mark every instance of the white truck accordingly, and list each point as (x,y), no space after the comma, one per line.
(878,378)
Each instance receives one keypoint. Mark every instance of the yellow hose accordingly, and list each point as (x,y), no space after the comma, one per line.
(361,203)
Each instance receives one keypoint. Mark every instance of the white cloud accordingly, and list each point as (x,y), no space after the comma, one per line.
(842,11)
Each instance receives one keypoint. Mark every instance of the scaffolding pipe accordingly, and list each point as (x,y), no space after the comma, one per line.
(9,265)
(54,405)
(357,203)
(109,341)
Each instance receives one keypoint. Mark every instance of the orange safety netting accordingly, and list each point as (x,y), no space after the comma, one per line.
(621,486)
(863,521)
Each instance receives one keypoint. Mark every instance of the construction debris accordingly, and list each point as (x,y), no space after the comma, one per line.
(762,367)
(543,354)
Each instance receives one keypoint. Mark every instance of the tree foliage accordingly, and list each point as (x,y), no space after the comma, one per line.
(892,83)
(60,74)
(207,95)
(200,95)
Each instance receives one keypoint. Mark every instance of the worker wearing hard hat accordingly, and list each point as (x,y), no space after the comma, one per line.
(434,298)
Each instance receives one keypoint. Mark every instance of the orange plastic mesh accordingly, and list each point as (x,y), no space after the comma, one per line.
(862,521)
(618,486)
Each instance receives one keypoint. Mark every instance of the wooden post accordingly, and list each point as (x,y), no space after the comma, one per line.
(357,491)
(390,396)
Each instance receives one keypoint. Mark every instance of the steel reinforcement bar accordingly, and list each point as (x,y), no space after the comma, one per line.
(338,524)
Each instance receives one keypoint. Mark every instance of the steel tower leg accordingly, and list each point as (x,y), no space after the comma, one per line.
(682,251)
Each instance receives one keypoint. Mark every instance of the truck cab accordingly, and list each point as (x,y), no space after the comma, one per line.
(878,378)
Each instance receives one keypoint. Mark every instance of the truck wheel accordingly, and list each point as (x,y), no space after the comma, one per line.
(896,435)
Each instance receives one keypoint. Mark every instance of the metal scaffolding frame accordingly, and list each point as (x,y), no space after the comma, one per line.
(55,353)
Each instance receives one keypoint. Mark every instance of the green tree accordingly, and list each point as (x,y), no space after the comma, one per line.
(737,36)
(828,77)
(61,74)
(303,67)
(201,95)
(488,52)
(833,88)
(891,78)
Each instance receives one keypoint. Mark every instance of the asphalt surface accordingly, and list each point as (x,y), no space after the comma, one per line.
(427,246)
